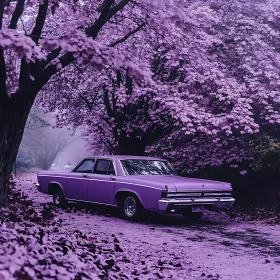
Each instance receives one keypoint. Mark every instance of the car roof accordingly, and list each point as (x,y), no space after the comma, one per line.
(120,157)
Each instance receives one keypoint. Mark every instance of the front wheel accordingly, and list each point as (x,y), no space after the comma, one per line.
(58,198)
(132,208)
(191,216)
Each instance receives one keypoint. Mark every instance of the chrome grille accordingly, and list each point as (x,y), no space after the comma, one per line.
(199,194)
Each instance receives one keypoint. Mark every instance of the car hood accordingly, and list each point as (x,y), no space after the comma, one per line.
(182,183)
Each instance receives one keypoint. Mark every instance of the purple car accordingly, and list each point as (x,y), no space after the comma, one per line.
(135,184)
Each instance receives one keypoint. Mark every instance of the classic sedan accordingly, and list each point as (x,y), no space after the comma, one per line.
(135,184)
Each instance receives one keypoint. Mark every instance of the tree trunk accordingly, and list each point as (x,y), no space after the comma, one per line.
(13,116)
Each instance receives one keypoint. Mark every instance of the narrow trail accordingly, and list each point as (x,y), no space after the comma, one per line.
(164,247)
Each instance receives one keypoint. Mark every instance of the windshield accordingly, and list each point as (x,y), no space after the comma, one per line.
(147,167)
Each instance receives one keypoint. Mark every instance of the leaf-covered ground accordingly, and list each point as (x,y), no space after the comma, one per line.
(38,241)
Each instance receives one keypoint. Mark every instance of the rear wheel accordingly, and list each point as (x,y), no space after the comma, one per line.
(191,216)
(58,197)
(132,208)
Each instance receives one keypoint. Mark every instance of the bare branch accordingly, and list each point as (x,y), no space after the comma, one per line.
(43,76)
(26,68)
(94,29)
(17,14)
(2,5)
(124,38)
(40,21)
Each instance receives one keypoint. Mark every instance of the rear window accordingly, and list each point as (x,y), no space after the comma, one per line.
(147,167)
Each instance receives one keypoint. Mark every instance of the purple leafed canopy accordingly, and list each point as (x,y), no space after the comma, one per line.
(187,80)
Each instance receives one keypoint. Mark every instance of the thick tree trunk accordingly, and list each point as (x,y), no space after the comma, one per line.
(13,117)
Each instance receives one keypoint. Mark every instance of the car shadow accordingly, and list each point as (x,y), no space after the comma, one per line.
(148,218)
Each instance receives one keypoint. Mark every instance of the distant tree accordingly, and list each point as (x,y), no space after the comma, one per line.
(51,148)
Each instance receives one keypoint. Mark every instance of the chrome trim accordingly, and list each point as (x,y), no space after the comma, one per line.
(55,176)
(124,173)
(200,194)
(95,159)
(83,178)
(220,202)
(87,201)
(109,181)
(138,185)
(222,194)
(116,170)
(183,194)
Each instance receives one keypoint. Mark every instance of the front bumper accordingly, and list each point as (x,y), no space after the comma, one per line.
(168,204)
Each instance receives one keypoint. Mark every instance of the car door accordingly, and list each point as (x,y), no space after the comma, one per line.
(102,182)
(77,181)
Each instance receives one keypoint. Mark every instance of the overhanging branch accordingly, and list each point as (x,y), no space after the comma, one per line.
(124,38)
(17,14)
(94,29)
(43,77)
(40,21)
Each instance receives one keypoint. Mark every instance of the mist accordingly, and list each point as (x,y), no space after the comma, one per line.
(44,146)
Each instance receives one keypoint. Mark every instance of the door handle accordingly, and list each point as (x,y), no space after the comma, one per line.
(84,175)
(113,178)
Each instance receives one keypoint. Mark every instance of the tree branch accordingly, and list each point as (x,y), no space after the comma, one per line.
(3,90)
(118,7)
(40,21)
(17,14)
(2,5)
(27,68)
(124,38)
(107,104)
(87,102)
(93,30)
(43,77)
(3,75)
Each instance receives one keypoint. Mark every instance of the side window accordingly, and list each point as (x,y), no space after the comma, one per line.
(112,169)
(86,166)
(102,166)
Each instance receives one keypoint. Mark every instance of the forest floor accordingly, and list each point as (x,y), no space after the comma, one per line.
(39,241)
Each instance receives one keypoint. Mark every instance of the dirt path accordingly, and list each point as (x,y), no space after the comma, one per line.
(164,247)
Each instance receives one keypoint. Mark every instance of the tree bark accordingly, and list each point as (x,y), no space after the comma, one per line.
(14,110)
(13,117)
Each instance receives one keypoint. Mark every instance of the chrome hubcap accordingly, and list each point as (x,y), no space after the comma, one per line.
(130,206)
(57,197)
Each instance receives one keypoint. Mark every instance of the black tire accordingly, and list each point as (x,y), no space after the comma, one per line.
(58,197)
(190,216)
(131,208)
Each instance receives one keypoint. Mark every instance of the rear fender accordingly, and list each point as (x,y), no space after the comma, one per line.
(129,191)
